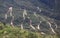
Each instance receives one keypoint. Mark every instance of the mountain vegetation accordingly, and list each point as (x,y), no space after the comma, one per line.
(29,19)
(7,31)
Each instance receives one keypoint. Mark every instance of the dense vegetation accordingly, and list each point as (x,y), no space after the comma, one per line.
(7,31)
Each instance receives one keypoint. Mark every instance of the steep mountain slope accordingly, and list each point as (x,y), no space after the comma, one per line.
(32,5)
(44,13)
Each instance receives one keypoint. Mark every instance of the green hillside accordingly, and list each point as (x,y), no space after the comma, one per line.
(7,31)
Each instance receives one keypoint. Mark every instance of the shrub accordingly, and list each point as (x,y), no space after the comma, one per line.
(7,31)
